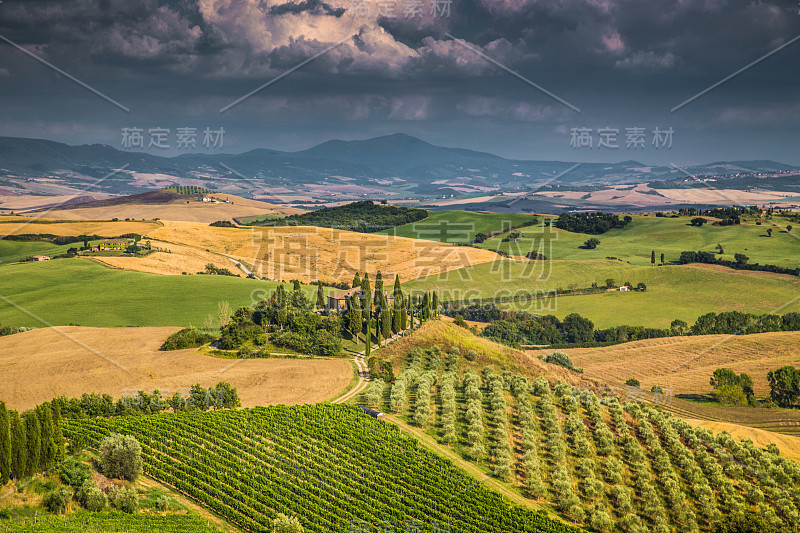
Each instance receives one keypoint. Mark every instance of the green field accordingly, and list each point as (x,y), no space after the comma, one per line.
(456,226)
(671,236)
(82,292)
(673,291)
(15,251)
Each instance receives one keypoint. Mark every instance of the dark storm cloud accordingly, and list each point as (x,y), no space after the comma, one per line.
(620,61)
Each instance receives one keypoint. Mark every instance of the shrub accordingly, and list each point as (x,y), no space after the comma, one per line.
(471,356)
(561,359)
(58,500)
(162,503)
(285,524)
(121,456)
(186,338)
(126,500)
(73,472)
(91,497)
(632,382)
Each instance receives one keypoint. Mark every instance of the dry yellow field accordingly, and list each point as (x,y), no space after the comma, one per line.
(39,365)
(310,253)
(179,259)
(189,212)
(787,444)
(13,225)
(687,363)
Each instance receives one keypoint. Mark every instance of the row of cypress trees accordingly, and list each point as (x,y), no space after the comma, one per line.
(388,319)
(30,442)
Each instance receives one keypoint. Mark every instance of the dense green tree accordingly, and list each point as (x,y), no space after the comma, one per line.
(591,244)
(784,384)
(320,296)
(355,322)
(731,395)
(121,457)
(653,258)
(662,258)
(5,445)
(366,297)
(49,448)
(33,431)
(58,436)
(403,312)
(376,301)
(726,376)
(386,319)
(578,329)
(356,281)
(19,446)
(426,306)
(435,304)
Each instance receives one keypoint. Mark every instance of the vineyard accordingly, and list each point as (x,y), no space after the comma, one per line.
(332,467)
(85,522)
(602,465)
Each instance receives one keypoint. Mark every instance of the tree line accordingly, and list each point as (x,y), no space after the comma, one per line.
(30,442)
(515,328)
(740,262)
(364,216)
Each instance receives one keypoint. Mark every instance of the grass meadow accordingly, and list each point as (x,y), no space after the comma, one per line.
(81,292)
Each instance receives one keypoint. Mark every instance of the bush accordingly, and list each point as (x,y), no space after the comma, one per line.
(58,500)
(285,524)
(471,356)
(162,503)
(91,497)
(73,472)
(126,500)
(186,338)
(561,359)
(731,395)
(121,457)
(633,382)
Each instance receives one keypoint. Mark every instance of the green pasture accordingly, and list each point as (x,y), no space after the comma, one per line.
(81,292)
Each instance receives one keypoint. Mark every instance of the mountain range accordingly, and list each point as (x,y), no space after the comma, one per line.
(396,165)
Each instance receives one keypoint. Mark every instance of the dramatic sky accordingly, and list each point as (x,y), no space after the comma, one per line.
(623,63)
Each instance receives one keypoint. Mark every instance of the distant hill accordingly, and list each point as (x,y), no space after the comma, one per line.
(393,165)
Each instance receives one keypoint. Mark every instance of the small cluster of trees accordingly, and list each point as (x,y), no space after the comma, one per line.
(374,394)
(531,465)
(784,385)
(447,395)
(731,388)
(29,442)
(364,216)
(422,407)
(591,223)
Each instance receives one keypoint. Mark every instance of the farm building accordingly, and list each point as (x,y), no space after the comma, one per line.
(624,288)
(112,245)
(41,258)
(340,302)
(374,413)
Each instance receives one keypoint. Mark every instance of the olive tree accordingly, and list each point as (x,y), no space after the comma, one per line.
(121,457)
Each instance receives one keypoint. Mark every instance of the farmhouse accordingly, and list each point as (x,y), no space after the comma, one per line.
(624,288)
(112,245)
(340,301)
(41,258)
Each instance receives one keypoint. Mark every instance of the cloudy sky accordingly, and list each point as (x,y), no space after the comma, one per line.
(467,73)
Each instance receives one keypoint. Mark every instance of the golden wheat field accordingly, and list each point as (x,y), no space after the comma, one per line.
(41,364)
(190,212)
(686,363)
(177,260)
(310,253)
(14,225)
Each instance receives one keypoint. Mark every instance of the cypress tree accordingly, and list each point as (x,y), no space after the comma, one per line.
(5,445)
(662,258)
(33,431)
(356,281)
(355,322)
(58,436)
(368,336)
(296,285)
(320,296)
(403,313)
(426,306)
(48,455)
(653,258)
(378,290)
(19,446)
(435,304)
(366,297)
